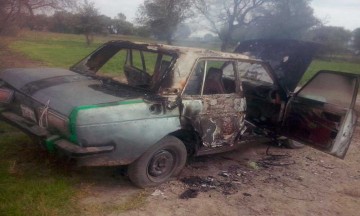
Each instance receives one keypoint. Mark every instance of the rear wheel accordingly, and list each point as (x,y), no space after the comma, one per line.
(159,163)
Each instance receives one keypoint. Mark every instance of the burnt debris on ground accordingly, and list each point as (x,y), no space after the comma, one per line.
(205,184)
(230,180)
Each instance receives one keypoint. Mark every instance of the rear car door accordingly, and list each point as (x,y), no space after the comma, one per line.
(321,114)
(213,104)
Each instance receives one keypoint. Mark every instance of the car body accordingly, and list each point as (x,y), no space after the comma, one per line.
(149,106)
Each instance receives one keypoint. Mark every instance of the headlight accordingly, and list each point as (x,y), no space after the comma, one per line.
(6,95)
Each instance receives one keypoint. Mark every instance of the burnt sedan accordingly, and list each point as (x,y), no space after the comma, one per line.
(150,106)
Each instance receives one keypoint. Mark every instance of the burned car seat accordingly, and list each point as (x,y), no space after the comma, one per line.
(213,82)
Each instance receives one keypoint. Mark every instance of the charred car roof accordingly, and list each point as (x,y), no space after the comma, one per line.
(185,57)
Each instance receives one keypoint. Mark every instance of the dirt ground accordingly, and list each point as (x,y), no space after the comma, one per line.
(243,182)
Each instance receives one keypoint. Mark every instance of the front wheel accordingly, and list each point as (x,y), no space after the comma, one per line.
(159,163)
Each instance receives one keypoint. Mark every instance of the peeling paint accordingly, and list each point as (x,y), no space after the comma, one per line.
(217,118)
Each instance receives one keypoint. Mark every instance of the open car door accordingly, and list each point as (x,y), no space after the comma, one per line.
(321,114)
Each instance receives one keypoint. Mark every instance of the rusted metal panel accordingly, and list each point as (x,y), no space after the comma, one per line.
(225,115)
(217,118)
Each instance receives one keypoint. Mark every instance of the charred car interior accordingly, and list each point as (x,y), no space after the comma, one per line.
(150,106)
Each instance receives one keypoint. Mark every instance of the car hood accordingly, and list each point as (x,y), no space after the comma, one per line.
(289,59)
(64,90)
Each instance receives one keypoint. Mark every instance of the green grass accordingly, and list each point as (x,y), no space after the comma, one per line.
(64,50)
(318,65)
(55,50)
(60,50)
(30,181)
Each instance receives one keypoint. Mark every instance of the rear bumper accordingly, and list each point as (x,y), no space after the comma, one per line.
(24,124)
(74,151)
(68,148)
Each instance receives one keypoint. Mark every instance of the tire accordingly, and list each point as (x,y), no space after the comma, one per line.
(159,163)
(292,144)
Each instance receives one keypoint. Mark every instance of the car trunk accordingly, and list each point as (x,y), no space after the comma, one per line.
(62,90)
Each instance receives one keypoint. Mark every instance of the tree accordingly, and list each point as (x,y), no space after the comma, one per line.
(356,38)
(226,16)
(63,22)
(142,31)
(107,24)
(162,17)
(236,20)
(89,21)
(333,38)
(12,11)
(285,19)
(209,37)
(183,31)
(121,26)
(38,22)
(121,16)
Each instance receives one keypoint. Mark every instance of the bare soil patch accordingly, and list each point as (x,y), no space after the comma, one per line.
(11,59)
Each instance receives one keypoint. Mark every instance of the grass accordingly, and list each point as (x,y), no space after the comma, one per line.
(55,50)
(63,50)
(60,50)
(30,181)
(318,65)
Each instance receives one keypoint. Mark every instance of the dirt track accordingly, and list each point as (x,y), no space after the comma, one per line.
(243,182)
(304,182)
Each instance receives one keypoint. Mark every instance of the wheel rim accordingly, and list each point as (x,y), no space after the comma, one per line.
(161,165)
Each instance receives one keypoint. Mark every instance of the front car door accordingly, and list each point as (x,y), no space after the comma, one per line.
(321,114)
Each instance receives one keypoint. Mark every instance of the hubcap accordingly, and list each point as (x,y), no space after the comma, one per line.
(161,164)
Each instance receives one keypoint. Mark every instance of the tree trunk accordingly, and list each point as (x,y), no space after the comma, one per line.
(169,39)
(225,43)
(88,38)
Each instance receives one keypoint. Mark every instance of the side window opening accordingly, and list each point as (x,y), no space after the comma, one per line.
(212,77)
(213,82)
(195,80)
(135,67)
(115,67)
(137,60)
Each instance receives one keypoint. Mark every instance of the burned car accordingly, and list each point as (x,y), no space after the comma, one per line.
(150,106)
